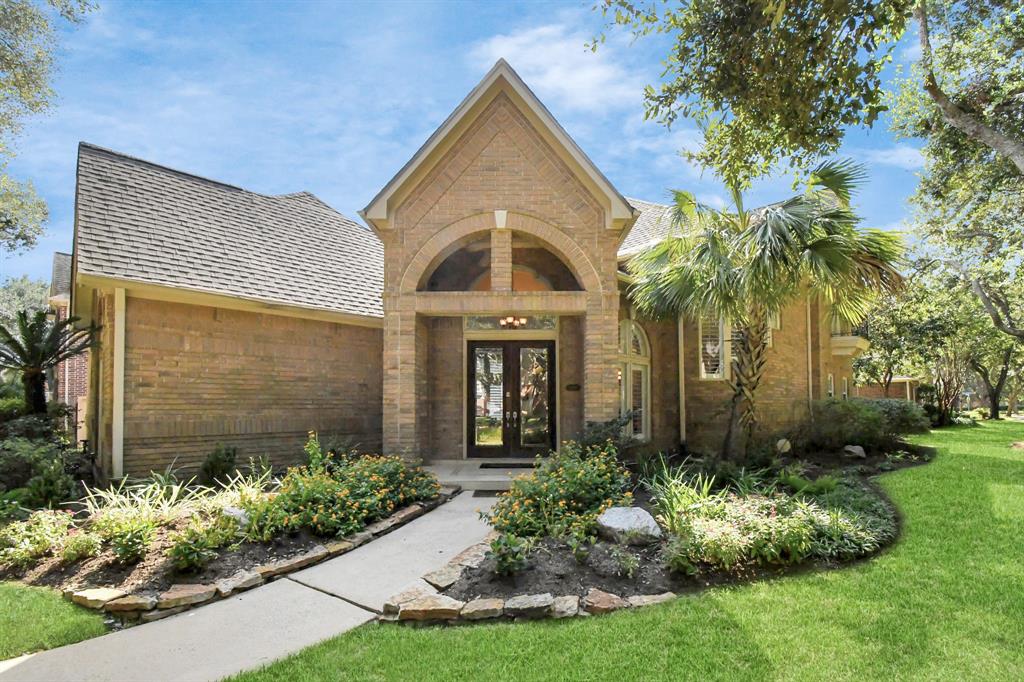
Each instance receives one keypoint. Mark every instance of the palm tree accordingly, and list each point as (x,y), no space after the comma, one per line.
(746,266)
(32,345)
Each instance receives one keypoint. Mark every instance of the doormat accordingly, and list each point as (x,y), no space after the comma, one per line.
(508,465)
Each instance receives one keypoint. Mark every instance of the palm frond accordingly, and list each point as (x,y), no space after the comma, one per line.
(839,177)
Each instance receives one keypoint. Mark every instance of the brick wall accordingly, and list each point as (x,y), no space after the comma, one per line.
(782,397)
(72,375)
(196,376)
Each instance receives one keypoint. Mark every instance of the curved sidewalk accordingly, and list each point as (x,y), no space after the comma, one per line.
(271,621)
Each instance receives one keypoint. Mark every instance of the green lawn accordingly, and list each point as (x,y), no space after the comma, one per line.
(947,602)
(33,618)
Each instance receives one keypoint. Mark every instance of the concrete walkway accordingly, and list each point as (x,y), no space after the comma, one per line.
(269,622)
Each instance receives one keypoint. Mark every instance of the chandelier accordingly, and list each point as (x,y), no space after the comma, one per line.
(512,322)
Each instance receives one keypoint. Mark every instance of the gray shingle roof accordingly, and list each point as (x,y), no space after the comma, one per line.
(653,225)
(60,279)
(143,222)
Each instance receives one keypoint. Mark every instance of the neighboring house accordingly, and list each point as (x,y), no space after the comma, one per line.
(70,381)
(902,387)
(481,314)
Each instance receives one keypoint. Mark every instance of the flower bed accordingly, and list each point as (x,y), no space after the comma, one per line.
(162,544)
(564,545)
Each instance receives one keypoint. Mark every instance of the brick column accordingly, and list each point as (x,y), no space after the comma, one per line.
(501,260)
(601,344)
(404,343)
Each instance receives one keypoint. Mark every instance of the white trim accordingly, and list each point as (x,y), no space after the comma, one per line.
(682,378)
(117,425)
(629,362)
(846,388)
(830,386)
(723,352)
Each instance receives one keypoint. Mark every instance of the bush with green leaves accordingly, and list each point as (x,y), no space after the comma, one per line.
(564,494)
(197,545)
(218,465)
(50,484)
(80,545)
(511,554)
(11,408)
(22,543)
(267,516)
(128,534)
(873,424)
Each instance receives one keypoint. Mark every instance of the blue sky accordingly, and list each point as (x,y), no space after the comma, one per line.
(334,97)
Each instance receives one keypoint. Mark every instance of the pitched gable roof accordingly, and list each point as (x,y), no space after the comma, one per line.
(143,222)
(501,75)
(60,276)
(653,225)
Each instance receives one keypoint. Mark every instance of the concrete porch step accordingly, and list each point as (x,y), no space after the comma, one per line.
(469,474)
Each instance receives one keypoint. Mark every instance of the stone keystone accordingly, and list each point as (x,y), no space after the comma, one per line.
(599,601)
(478,609)
(629,525)
(530,605)
(131,602)
(183,595)
(97,597)
(431,607)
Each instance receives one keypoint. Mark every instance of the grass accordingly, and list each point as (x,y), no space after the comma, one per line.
(947,602)
(34,618)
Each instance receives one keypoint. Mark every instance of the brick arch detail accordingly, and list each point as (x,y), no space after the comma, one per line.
(555,239)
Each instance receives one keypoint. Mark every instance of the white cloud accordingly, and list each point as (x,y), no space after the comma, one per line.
(902,156)
(555,61)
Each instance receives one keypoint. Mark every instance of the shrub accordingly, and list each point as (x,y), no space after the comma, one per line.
(51,484)
(899,417)
(510,554)
(319,502)
(596,435)
(24,542)
(218,465)
(80,546)
(197,544)
(267,517)
(564,494)
(626,563)
(11,408)
(800,484)
(837,423)
(129,535)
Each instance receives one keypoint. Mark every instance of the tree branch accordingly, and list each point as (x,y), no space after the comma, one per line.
(954,115)
(1003,322)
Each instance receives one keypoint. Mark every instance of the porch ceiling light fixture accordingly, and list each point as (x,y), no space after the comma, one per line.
(512,322)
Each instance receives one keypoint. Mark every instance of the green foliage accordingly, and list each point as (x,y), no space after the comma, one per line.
(197,545)
(80,545)
(769,81)
(837,423)
(597,434)
(40,467)
(129,535)
(50,484)
(11,407)
(339,495)
(511,554)
(22,543)
(800,484)
(626,562)
(218,465)
(22,293)
(564,494)
(676,490)
(267,517)
(32,345)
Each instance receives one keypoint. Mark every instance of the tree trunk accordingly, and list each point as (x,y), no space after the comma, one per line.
(34,384)
(748,364)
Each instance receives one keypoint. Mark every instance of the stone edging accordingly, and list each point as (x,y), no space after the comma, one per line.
(144,608)
(423,601)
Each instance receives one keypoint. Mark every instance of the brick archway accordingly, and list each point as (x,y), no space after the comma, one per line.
(458,232)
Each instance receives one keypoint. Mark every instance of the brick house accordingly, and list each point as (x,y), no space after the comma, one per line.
(70,381)
(480,315)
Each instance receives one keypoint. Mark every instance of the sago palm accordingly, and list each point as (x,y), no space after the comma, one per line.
(746,266)
(32,345)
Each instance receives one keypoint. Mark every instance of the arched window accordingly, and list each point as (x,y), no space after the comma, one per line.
(635,379)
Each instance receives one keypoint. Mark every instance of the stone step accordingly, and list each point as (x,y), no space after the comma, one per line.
(468,473)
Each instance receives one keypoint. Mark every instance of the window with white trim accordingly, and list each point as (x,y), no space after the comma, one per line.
(635,379)
(831,386)
(846,388)
(711,331)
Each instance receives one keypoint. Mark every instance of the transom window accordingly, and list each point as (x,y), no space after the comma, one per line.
(635,379)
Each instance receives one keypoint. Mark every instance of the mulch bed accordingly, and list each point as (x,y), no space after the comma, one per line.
(156,573)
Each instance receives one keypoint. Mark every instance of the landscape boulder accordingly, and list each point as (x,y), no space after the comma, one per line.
(431,607)
(478,609)
(599,601)
(855,452)
(629,525)
(530,605)
(97,597)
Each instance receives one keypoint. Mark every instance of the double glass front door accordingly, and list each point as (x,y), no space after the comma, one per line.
(511,400)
